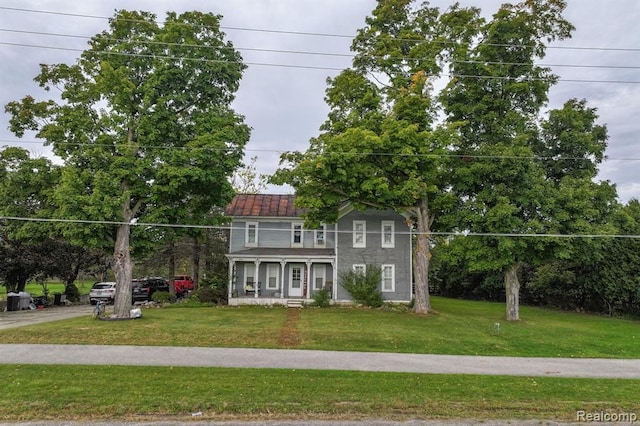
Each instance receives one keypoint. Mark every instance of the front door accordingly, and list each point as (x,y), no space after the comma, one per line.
(295,281)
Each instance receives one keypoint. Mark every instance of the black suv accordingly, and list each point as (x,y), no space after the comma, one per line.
(143,288)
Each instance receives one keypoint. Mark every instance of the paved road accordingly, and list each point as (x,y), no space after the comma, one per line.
(317,360)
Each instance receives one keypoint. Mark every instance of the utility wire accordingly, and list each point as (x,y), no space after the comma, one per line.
(311,53)
(325,68)
(342,153)
(242,229)
(154,56)
(314,34)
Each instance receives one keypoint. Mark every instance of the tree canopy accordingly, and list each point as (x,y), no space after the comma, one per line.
(441,116)
(144,126)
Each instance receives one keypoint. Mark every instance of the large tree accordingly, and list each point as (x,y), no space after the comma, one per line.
(144,126)
(26,195)
(459,159)
(519,172)
(383,145)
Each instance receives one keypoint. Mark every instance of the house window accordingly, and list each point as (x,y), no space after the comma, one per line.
(319,276)
(251,234)
(388,237)
(249,274)
(319,236)
(296,235)
(359,233)
(388,278)
(273,275)
(360,269)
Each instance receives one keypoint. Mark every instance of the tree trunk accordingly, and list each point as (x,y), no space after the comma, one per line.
(197,248)
(16,282)
(422,301)
(172,267)
(122,267)
(512,287)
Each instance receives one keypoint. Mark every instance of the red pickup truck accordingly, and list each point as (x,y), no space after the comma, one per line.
(182,284)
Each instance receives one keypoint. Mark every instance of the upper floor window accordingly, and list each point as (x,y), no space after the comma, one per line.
(359,233)
(388,278)
(360,269)
(296,235)
(319,236)
(251,234)
(388,231)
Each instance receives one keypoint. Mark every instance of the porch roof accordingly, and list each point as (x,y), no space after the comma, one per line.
(283,252)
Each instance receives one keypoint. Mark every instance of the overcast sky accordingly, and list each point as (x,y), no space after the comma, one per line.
(282,94)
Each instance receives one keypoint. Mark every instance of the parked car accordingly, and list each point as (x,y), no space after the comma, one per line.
(143,288)
(102,291)
(182,284)
(138,292)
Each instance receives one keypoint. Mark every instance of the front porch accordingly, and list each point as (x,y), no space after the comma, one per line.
(273,277)
(268,301)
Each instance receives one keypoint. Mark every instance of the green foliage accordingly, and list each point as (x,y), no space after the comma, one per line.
(246,179)
(72,292)
(145,135)
(363,287)
(163,297)
(322,298)
(210,295)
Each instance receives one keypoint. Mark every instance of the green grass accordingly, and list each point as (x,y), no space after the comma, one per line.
(36,289)
(153,393)
(458,327)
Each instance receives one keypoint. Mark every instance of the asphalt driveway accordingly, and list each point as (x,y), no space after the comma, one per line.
(12,319)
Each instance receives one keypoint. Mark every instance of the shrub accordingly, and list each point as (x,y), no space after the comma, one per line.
(72,293)
(363,287)
(215,295)
(163,297)
(322,298)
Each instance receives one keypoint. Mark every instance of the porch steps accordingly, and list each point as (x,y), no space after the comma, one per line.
(294,303)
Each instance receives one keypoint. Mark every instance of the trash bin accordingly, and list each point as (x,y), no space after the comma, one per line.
(59,299)
(25,300)
(13,302)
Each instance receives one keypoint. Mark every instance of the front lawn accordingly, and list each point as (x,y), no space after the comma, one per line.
(62,392)
(106,393)
(458,327)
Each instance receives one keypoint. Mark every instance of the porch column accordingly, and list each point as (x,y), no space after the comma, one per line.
(283,263)
(232,264)
(255,284)
(334,289)
(307,290)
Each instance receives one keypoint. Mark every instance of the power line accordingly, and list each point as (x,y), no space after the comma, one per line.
(169,44)
(340,153)
(368,232)
(311,53)
(154,56)
(312,67)
(315,34)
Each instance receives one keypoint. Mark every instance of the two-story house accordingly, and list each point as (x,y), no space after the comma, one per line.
(273,259)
